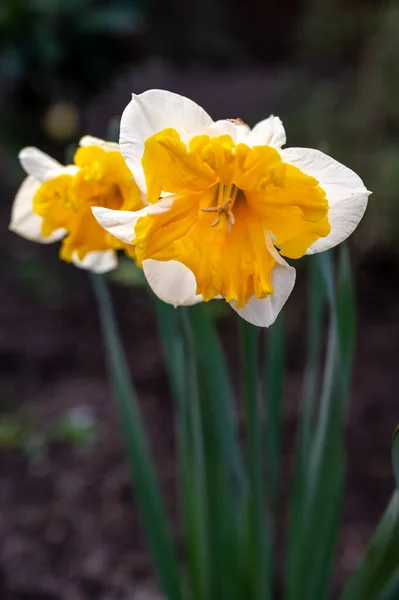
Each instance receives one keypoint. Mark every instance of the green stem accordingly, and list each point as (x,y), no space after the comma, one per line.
(146,488)
(258,534)
(273,403)
(194,481)
(295,541)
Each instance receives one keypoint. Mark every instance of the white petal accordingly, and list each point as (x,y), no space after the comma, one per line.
(239,132)
(263,312)
(346,194)
(151,112)
(121,223)
(24,221)
(269,132)
(37,163)
(172,282)
(67,170)
(97,262)
(89,140)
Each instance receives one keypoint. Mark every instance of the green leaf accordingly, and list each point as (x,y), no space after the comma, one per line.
(172,341)
(226,477)
(217,382)
(296,533)
(146,489)
(377,576)
(346,318)
(391,592)
(180,357)
(323,477)
(395,456)
(380,561)
(194,485)
(328,451)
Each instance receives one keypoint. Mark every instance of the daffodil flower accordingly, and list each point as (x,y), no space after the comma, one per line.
(225,204)
(54,202)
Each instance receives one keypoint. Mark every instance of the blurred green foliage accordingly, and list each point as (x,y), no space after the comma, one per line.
(336,80)
(127,274)
(52,49)
(18,431)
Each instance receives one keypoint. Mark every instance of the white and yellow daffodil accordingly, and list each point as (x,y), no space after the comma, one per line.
(54,202)
(225,203)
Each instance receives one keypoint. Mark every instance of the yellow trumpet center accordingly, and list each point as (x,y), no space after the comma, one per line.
(103,179)
(229,199)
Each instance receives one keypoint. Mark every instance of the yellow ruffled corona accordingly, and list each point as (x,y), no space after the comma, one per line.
(54,202)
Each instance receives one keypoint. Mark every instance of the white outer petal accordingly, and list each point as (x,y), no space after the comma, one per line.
(61,170)
(24,221)
(269,132)
(263,312)
(121,223)
(89,140)
(97,262)
(37,163)
(172,282)
(151,112)
(346,193)
(238,132)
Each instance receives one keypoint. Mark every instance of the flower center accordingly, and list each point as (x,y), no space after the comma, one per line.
(227,195)
(251,192)
(65,202)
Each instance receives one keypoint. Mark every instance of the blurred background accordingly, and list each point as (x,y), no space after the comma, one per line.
(329,69)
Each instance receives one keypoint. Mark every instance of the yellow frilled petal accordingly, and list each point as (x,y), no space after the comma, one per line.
(53,202)
(228,197)
(294,209)
(103,179)
(104,174)
(170,167)
(234,265)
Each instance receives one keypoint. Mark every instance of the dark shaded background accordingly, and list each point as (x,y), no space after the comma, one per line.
(329,69)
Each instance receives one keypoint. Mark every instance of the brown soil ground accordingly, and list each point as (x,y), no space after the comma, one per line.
(68,525)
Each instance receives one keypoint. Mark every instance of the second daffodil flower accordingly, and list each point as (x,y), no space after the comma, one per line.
(54,202)
(225,204)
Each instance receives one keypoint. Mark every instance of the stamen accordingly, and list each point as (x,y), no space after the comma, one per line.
(224,208)
(216,222)
(212,209)
(231,217)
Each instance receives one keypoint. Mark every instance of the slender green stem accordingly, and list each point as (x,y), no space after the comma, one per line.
(260,541)
(146,489)
(216,380)
(181,364)
(274,369)
(226,479)
(296,532)
(316,296)
(195,485)
(173,345)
